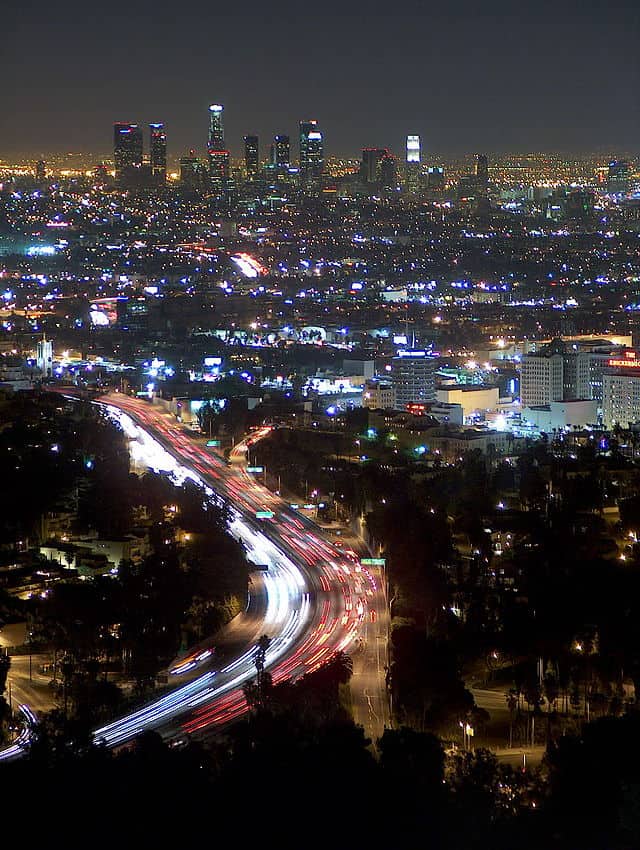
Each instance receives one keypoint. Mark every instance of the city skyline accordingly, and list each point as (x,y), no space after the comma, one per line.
(455,78)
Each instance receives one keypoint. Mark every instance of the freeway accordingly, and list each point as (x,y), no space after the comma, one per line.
(317,598)
(313,601)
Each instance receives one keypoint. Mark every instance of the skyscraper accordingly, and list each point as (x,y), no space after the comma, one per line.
(311,151)
(192,172)
(482,174)
(388,171)
(412,165)
(127,152)
(158,153)
(217,153)
(370,164)
(281,152)
(251,155)
(216,128)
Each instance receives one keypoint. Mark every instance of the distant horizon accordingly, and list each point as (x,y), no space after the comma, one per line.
(11,158)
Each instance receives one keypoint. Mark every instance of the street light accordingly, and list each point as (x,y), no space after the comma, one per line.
(467,733)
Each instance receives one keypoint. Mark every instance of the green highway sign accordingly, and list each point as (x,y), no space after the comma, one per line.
(264,514)
(373,562)
(213,443)
(255,469)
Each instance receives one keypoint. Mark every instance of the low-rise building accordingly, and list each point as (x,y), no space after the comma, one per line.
(475,400)
(378,394)
(559,415)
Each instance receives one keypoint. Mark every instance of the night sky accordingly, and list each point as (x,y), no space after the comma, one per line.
(467,76)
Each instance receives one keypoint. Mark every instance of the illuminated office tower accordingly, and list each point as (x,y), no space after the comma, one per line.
(251,155)
(216,151)
(311,151)
(412,164)
(127,152)
(281,152)
(158,153)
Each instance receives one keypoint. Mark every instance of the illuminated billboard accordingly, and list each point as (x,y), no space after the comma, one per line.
(104,311)
(630,361)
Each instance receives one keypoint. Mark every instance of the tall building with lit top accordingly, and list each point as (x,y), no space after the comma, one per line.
(127,152)
(413,374)
(218,155)
(251,155)
(311,151)
(281,151)
(216,127)
(158,152)
(412,164)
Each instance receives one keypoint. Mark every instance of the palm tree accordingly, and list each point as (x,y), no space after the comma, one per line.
(339,668)
(263,679)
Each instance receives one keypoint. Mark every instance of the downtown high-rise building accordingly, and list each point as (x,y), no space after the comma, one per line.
(311,151)
(412,163)
(158,152)
(388,171)
(192,170)
(127,152)
(251,155)
(281,151)
(482,175)
(218,155)
(370,164)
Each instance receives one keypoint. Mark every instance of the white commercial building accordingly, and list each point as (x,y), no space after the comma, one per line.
(621,399)
(559,415)
(378,395)
(541,379)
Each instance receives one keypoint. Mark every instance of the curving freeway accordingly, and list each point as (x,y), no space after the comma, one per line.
(312,601)
(314,598)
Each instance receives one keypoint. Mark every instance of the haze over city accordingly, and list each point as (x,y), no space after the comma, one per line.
(468,76)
